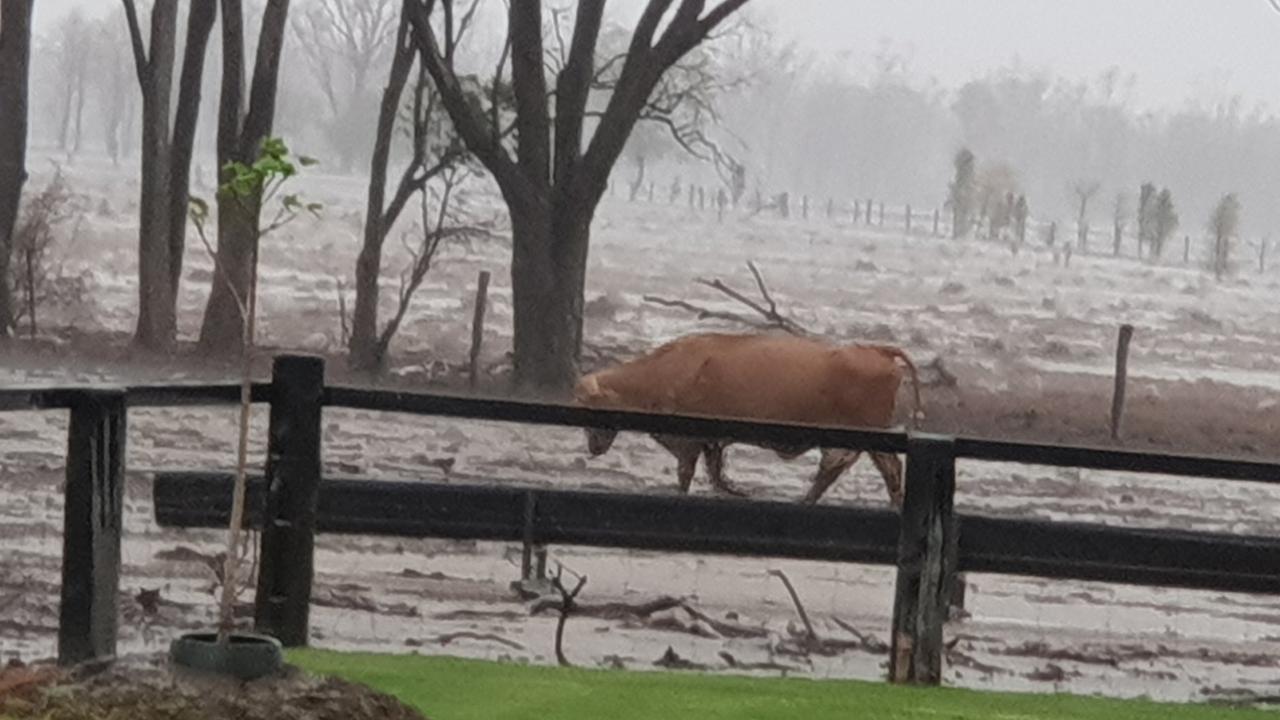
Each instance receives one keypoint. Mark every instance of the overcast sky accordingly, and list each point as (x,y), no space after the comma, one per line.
(1177,48)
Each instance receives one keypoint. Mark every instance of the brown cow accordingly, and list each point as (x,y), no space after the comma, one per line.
(757,377)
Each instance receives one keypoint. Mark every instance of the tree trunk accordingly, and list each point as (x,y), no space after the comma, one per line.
(548,277)
(199,26)
(15,62)
(157,322)
(240,135)
(366,353)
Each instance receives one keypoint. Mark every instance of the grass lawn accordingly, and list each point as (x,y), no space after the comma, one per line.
(451,689)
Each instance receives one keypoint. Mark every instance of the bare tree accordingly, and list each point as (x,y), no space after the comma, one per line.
(552,185)
(1163,223)
(1084,191)
(166,158)
(116,97)
(74,44)
(1147,218)
(435,155)
(963,194)
(243,125)
(1119,218)
(1224,225)
(15,67)
(346,44)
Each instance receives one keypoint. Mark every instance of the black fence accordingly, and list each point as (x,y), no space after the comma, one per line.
(928,542)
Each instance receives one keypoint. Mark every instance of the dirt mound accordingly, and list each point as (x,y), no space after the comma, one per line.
(150,690)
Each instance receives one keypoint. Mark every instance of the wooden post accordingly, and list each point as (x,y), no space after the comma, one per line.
(937,216)
(857,212)
(868,217)
(831,208)
(477,327)
(286,559)
(692,195)
(881,213)
(1122,374)
(908,216)
(92,522)
(702,198)
(928,547)
(650,191)
(1262,256)
(1186,249)
(804,207)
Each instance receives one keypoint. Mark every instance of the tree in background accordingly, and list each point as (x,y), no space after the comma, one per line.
(347,45)
(243,125)
(1146,218)
(15,66)
(1164,222)
(1084,191)
(1224,226)
(75,39)
(963,193)
(554,176)
(436,155)
(1119,218)
(166,158)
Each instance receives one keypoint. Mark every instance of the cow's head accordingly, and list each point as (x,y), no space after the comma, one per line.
(589,393)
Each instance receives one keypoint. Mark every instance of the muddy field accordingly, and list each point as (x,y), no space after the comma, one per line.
(1028,341)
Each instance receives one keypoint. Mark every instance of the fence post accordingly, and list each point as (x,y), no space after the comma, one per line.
(477,328)
(908,216)
(92,523)
(282,607)
(927,558)
(857,212)
(937,216)
(1122,374)
(868,216)
(881,213)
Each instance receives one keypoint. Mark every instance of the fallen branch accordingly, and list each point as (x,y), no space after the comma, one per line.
(727,629)
(795,599)
(566,608)
(766,308)
(868,643)
(735,664)
(612,610)
(447,638)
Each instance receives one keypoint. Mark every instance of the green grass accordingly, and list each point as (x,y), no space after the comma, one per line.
(452,689)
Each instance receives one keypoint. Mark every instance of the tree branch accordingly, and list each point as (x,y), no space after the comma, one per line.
(468,120)
(573,86)
(140,61)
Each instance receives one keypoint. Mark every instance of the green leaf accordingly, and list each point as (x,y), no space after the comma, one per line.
(307,161)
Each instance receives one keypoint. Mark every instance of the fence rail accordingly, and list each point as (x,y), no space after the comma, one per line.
(928,543)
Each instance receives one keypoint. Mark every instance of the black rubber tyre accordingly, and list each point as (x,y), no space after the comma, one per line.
(246,656)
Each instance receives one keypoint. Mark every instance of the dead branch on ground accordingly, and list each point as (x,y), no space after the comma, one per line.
(566,608)
(612,610)
(766,307)
(736,664)
(808,642)
(448,638)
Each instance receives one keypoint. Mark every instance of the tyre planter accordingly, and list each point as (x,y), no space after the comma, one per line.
(245,656)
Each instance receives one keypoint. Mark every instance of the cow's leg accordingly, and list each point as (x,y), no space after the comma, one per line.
(890,467)
(830,468)
(713,453)
(686,452)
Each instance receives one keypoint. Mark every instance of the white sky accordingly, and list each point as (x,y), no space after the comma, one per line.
(1177,48)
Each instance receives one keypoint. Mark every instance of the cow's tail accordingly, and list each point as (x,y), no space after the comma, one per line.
(898,354)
